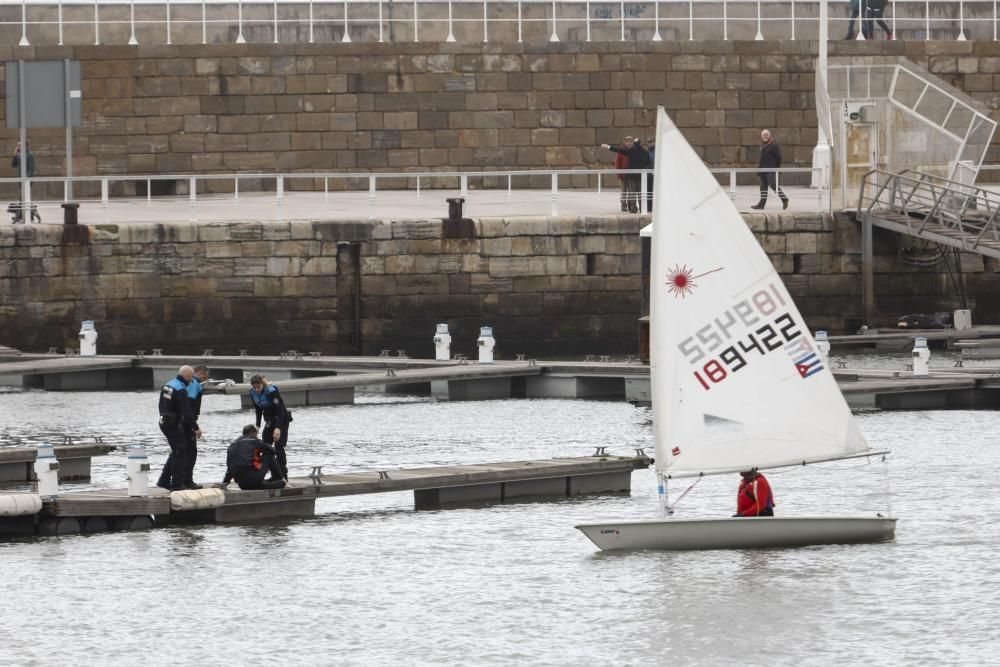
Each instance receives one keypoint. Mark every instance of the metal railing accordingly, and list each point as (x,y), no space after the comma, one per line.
(213,188)
(45,22)
(932,207)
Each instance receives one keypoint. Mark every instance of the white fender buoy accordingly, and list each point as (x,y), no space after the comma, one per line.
(196,499)
(20,504)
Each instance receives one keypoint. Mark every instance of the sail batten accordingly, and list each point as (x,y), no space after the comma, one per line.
(727,340)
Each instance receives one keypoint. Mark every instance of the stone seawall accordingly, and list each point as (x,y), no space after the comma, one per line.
(549,286)
(437,106)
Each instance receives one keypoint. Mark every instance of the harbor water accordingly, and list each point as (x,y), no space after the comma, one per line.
(371,581)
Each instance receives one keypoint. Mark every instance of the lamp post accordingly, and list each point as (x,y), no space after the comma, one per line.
(821,153)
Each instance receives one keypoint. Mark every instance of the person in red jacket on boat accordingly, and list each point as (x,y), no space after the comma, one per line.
(754,497)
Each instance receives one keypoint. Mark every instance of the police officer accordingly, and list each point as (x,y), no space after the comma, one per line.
(194,391)
(270,405)
(175,417)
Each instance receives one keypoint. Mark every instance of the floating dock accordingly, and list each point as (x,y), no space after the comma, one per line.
(317,380)
(899,340)
(433,488)
(17,463)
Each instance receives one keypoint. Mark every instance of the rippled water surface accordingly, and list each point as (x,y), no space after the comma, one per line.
(371,581)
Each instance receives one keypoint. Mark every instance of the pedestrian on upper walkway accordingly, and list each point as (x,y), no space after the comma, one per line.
(638,158)
(651,149)
(621,163)
(770,159)
(855,12)
(875,13)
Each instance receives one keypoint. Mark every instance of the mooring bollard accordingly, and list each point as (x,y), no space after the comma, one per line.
(88,339)
(47,470)
(921,357)
(486,344)
(823,343)
(442,343)
(137,470)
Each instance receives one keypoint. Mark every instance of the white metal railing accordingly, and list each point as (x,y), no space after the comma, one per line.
(44,22)
(106,190)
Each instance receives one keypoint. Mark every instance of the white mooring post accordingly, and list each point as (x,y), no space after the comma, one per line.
(88,339)
(442,343)
(823,344)
(47,470)
(486,344)
(137,470)
(921,357)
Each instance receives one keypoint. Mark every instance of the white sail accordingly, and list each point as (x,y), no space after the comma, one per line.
(737,380)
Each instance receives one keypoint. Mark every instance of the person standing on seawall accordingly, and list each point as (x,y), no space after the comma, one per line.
(269,405)
(770,158)
(621,162)
(175,417)
(638,158)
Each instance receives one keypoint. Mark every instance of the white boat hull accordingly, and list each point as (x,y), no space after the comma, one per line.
(738,533)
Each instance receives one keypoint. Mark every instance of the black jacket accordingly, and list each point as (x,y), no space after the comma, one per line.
(15,162)
(175,405)
(242,455)
(770,155)
(638,157)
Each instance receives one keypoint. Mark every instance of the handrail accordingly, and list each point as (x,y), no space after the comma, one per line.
(551,19)
(368,183)
(931,200)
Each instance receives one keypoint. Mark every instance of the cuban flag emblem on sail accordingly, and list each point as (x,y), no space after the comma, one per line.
(807,361)
(809,365)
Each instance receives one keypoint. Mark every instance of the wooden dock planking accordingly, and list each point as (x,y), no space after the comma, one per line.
(482,482)
(110,502)
(17,463)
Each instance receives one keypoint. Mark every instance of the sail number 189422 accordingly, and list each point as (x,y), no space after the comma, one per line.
(770,326)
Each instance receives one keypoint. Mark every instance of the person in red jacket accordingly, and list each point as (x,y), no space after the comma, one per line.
(754,497)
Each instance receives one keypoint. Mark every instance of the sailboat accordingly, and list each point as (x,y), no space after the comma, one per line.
(737,380)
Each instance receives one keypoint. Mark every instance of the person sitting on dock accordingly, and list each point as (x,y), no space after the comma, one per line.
(249,459)
(269,404)
(754,497)
(176,418)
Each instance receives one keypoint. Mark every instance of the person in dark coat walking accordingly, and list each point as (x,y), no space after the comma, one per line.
(770,158)
(638,158)
(875,13)
(855,12)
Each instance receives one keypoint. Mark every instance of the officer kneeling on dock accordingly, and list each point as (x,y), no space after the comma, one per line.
(249,459)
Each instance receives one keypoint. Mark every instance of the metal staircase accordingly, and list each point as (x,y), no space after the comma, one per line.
(927,207)
(932,208)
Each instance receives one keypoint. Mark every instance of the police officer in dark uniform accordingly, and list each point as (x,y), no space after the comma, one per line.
(269,404)
(249,459)
(175,418)
(194,393)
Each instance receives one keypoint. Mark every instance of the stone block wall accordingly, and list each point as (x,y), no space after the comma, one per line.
(558,287)
(550,287)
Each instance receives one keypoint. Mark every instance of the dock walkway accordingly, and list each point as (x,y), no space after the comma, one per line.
(433,487)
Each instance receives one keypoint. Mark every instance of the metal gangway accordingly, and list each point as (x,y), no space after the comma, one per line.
(928,207)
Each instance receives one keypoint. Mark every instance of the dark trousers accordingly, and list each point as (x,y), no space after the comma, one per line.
(251,478)
(632,186)
(191,455)
(649,193)
(850,22)
(769,180)
(175,468)
(873,16)
(279,446)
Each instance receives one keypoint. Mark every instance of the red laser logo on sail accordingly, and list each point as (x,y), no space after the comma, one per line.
(680,280)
